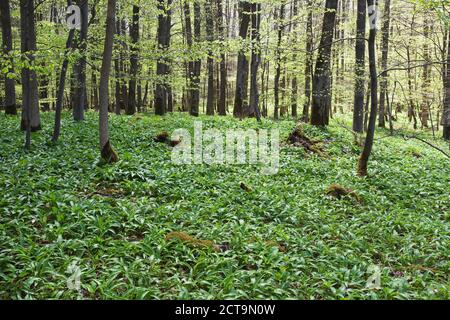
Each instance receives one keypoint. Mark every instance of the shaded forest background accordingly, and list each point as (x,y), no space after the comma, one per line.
(223,57)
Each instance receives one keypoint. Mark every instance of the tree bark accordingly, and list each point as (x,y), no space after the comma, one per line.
(134,67)
(384,59)
(210,101)
(360,53)
(107,152)
(10,84)
(61,85)
(196,65)
(162,68)
(80,66)
(242,62)
(308,63)
(30,106)
(254,109)
(222,103)
(321,95)
(446,113)
(365,155)
(276,87)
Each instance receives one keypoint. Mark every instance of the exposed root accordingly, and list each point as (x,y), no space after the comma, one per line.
(196,243)
(163,137)
(362,167)
(340,192)
(245,187)
(108,154)
(298,139)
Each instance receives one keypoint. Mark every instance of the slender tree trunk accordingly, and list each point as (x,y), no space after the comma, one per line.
(61,85)
(276,87)
(242,62)
(321,95)
(162,69)
(196,66)
(365,155)
(10,84)
(190,65)
(222,103)
(294,85)
(134,67)
(360,50)
(118,74)
(384,59)
(30,106)
(426,76)
(254,109)
(95,102)
(107,152)
(446,113)
(80,65)
(308,63)
(210,102)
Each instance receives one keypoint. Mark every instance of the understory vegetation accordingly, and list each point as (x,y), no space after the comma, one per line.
(281,236)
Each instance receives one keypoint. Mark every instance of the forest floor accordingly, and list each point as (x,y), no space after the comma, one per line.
(283,236)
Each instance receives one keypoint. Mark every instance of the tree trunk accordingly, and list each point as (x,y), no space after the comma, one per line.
(360,50)
(384,59)
(162,69)
(80,65)
(446,114)
(30,102)
(308,63)
(210,102)
(61,85)
(107,152)
(254,109)
(196,65)
(294,85)
(118,74)
(222,103)
(276,90)
(10,84)
(190,65)
(365,155)
(321,95)
(242,62)
(426,75)
(134,67)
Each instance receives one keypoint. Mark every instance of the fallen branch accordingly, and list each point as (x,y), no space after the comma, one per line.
(426,142)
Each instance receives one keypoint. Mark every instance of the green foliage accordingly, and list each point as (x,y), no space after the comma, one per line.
(59,205)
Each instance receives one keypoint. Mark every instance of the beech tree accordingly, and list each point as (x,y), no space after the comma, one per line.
(10,88)
(134,35)
(360,53)
(80,93)
(164,26)
(367,150)
(240,98)
(30,95)
(107,152)
(321,87)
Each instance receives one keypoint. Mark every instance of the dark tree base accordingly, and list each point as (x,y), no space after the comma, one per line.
(362,167)
(446,134)
(108,154)
(11,110)
(23,127)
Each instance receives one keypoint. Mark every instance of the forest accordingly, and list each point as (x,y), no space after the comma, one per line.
(224,149)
